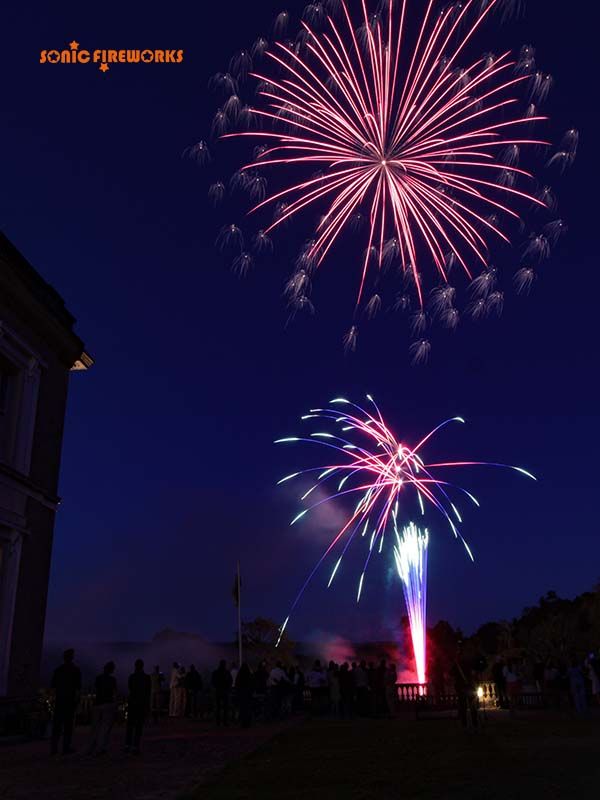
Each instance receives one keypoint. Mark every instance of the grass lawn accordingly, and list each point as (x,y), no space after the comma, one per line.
(526,758)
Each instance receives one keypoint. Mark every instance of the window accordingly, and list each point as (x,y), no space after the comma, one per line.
(10,555)
(20,370)
(4,385)
(9,383)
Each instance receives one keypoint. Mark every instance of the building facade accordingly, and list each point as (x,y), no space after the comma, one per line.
(38,350)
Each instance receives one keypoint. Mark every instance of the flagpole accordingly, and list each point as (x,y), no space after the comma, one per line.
(239,611)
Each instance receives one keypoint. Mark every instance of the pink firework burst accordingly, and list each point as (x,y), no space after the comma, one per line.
(379,128)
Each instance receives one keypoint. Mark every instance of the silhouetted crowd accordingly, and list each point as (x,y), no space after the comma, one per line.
(233,695)
(561,684)
(519,683)
(272,692)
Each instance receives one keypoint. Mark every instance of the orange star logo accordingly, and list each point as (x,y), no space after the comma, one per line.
(104,67)
(73,45)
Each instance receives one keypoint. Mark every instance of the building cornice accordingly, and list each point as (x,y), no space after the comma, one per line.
(29,297)
(19,482)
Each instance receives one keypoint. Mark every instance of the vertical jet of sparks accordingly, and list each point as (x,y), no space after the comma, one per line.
(410,554)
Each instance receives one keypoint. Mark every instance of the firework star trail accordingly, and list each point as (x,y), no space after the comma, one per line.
(381,128)
(370,464)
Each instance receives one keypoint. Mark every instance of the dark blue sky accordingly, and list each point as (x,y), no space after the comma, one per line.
(169,469)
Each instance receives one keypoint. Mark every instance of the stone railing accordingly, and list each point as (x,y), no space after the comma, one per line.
(413,692)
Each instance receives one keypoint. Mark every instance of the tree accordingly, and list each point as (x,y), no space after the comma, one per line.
(442,641)
(490,637)
(259,639)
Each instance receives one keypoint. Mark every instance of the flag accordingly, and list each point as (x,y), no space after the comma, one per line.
(235,590)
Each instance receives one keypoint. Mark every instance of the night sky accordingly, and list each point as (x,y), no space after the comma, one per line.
(169,470)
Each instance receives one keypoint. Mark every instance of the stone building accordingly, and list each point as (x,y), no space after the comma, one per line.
(38,350)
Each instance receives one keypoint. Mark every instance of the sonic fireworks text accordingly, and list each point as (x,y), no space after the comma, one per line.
(105,58)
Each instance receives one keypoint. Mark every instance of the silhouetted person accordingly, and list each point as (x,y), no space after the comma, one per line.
(66,683)
(104,709)
(296,677)
(372,695)
(244,686)
(317,683)
(156,683)
(391,692)
(346,690)
(437,679)
(333,684)
(361,682)
(538,675)
(563,685)
(577,688)
(593,670)
(221,683)
(261,678)
(193,686)
(173,681)
(500,682)
(380,672)
(180,694)
(465,690)
(279,685)
(138,705)
(513,685)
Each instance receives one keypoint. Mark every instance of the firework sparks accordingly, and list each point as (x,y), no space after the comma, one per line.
(405,134)
(410,554)
(383,473)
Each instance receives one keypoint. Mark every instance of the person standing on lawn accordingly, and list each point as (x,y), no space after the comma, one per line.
(180,694)
(577,688)
(173,681)
(138,705)
(156,682)
(66,683)
(193,687)
(221,683)
(499,682)
(465,690)
(513,685)
(361,684)
(244,686)
(104,709)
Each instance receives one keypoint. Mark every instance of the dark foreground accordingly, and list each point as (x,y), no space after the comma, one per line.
(176,754)
(536,756)
(524,759)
